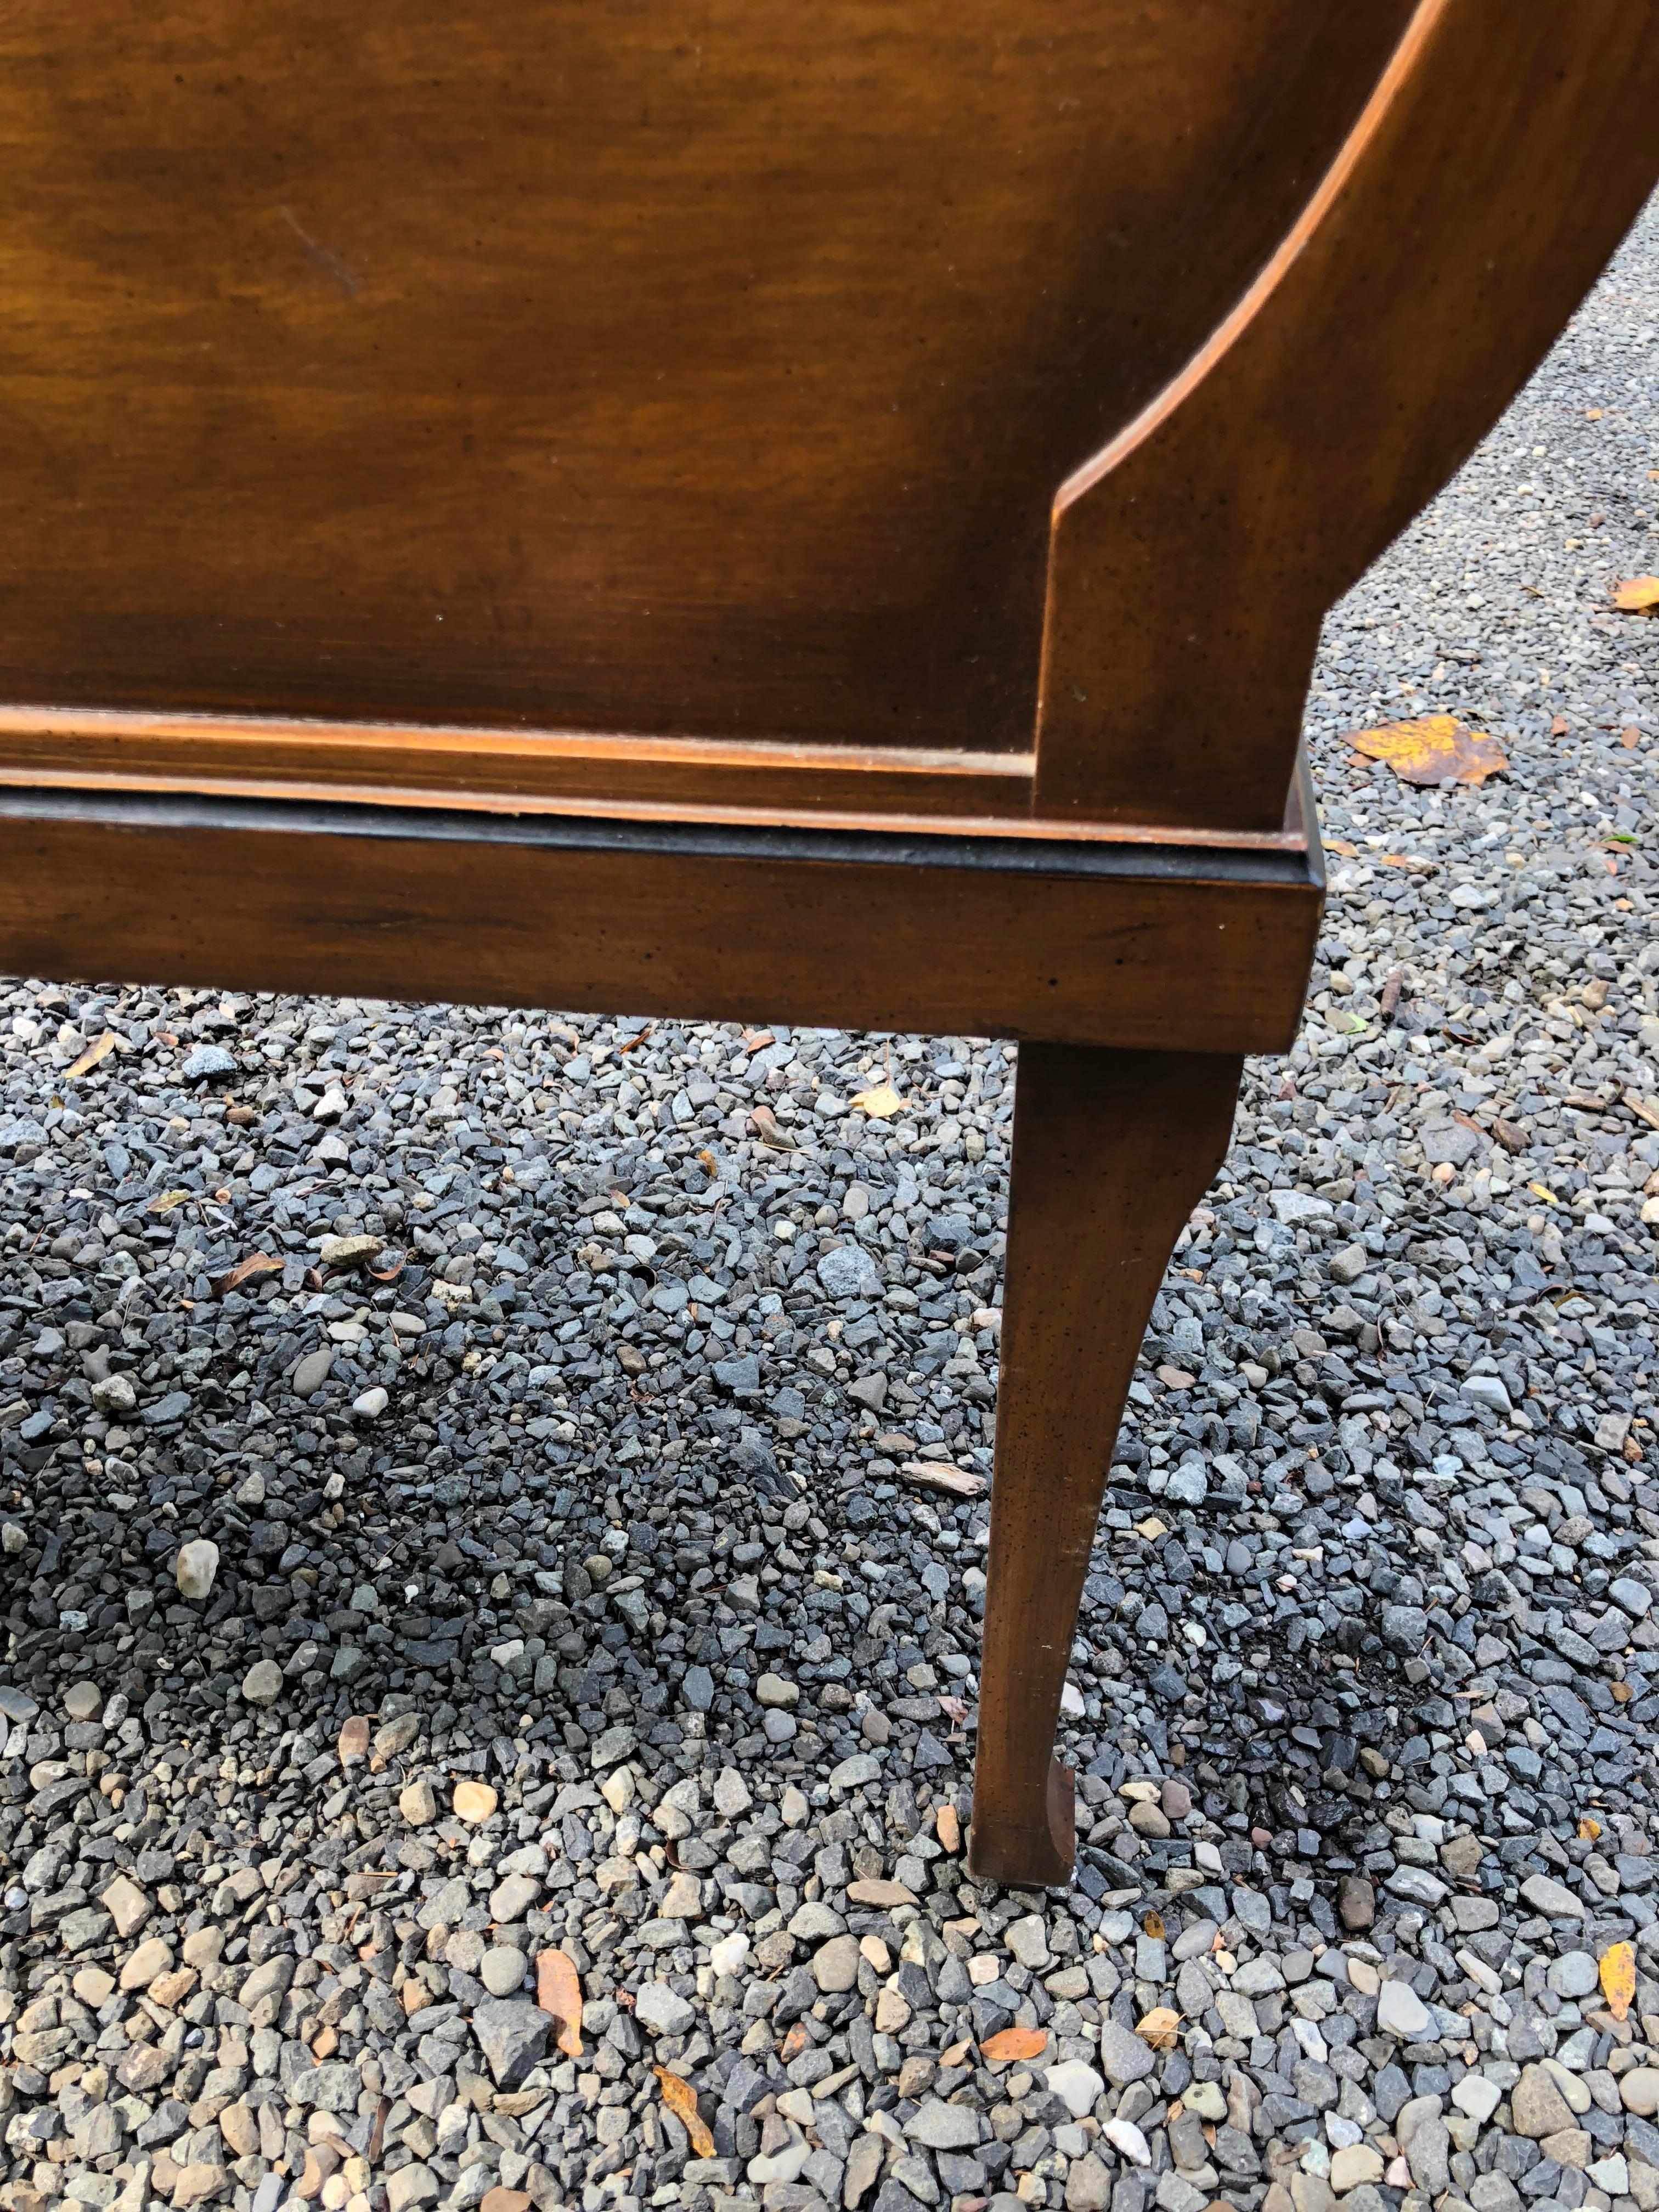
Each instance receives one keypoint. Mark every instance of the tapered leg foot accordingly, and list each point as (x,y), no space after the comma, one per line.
(1112,1151)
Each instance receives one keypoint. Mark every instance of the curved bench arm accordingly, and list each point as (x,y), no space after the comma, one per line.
(1506,149)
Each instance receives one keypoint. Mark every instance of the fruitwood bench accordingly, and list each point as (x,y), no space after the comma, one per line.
(753,514)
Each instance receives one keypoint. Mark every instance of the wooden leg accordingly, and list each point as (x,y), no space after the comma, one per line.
(1112,1151)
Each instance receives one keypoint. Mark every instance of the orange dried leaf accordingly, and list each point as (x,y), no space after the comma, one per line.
(1434,749)
(168,1200)
(1638,595)
(1012,2043)
(257,1263)
(1589,1830)
(558,1991)
(1159,2028)
(681,2100)
(1619,1978)
(101,1049)
(1153,1925)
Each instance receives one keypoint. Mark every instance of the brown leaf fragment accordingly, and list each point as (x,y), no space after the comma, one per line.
(1159,2027)
(1638,595)
(558,1991)
(257,1263)
(1153,1925)
(1434,749)
(1012,2042)
(681,2100)
(766,1127)
(100,1049)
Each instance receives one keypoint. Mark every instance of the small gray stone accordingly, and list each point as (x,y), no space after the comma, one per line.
(1124,2057)
(661,2009)
(512,2034)
(206,1061)
(849,1272)
(1401,2012)
(312,1372)
(1574,1974)
(262,1685)
(1550,1898)
(1404,1628)
(943,2127)
(835,1965)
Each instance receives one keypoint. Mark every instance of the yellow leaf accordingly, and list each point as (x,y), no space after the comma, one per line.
(1012,2042)
(880,1103)
(99,1049)
(168,1200)
(1150,1527)
(1158,2027)
(1589,1830)
(681,2100)
(1435,749)
(559,1992)
(1640,595)
(1341,845)
(1539,1190)
(1619,1978)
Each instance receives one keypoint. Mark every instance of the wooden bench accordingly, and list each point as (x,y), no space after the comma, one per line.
(761,513)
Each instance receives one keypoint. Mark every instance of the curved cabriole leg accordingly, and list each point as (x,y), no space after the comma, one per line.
(1112,1151)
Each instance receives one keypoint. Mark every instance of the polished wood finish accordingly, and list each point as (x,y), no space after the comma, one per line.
(607,367)
(1503,157)
(1112,1151)
(756,516)
(967,936)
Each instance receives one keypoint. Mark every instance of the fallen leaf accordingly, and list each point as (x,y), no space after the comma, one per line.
(681,2100)
(1629,737)
(766,1123)
(881,1104)
(1589,1830)
(709,1165)
(935,1474)
(1435,749)
(1341,845)
(1012,2042)
(559,1992)
(99,1049)
(1153,1925)
(1638,595)
(1619,1978)
(1540,1190)
(1158,2027)
(954,1710)
(955,2055)
(257,1263)
(1622,1691)
(168,1200)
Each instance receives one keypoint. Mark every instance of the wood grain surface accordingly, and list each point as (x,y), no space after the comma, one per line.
(1502,157)
(855,932)
(623,367)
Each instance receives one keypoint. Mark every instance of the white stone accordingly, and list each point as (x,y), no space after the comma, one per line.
(372,1403)
(1076,2085)
(1126,2138)
(1401,2012)
(196,1567)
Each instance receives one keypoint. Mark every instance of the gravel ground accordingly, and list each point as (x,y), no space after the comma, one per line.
(558,1565)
